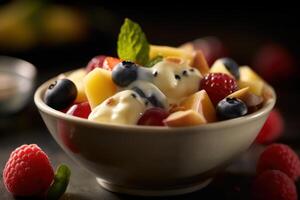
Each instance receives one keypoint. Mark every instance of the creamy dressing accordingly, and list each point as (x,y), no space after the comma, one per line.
(167,82)
(125,107)
(150,89)
(176,80)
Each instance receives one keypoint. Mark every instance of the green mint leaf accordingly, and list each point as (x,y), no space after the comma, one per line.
(132,43)
(155,60)
(60,183)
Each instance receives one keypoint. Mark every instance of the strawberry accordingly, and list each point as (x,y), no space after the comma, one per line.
(110,62)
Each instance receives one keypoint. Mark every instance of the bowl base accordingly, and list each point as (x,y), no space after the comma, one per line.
(169,191)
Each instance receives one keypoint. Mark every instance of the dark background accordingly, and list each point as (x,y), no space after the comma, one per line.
(243,28)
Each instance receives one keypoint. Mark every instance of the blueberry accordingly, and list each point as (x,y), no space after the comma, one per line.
(230,108)
(125,73)
(60,94)
(231,66)
(139,91)
(152,98)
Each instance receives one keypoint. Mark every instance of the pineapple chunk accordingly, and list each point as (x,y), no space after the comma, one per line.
(185,118)
(77,77)
(201,103)
(219,67)
(98,86)
(248,78)
(166,51)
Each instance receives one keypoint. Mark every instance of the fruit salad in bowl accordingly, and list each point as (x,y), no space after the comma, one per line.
(156,120)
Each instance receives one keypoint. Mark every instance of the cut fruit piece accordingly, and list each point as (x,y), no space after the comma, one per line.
(200,63)
(77,78)
(254,102)
(166,51)
(219,67)
(248,78)
(185,118)
(241,94)
(95,62)
(98,86)
(201,103)
(110,62)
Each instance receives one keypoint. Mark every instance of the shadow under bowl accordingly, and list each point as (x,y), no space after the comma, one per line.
(152,161)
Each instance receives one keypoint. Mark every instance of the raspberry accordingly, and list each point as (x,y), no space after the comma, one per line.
(218,86)
(272,128)
(280,157)
(95,62)
(28,172)
(274,185)
(274,63)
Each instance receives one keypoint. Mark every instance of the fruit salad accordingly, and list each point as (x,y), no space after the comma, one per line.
(157,86)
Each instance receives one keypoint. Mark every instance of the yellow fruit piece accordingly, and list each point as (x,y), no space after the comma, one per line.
(98,86)
(184,118)
(241,94)
(219,67)
(77,77)
(166,51)
(248,78)
(201,103)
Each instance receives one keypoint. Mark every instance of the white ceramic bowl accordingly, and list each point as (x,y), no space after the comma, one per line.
(154,161)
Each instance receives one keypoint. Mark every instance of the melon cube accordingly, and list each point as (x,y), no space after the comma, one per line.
(166,51)
(201,103)
(184,118)
(77,78)
(98,86)
(248,78)
(219,67)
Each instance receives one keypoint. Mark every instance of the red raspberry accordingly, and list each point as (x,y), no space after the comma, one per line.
(279,157)
(28,171)
(274,185)
(272,129)
(218,86)
(95,62)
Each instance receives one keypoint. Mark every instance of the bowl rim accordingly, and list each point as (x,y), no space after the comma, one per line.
(38,100)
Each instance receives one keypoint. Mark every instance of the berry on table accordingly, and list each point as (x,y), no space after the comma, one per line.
(279,157)
(28,171)
(274,185)
(274,63)
(125,73)
(153,117)
(272,129)
(95,62)
(218,86)
(230,108)
(60,94)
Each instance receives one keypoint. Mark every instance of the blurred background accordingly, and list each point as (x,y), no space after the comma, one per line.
(57,36)
(62,35)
